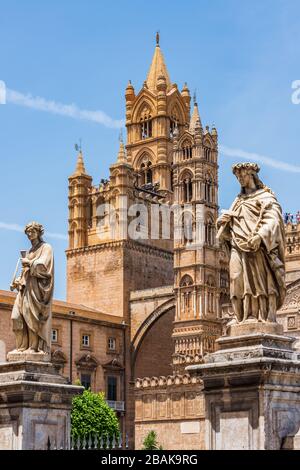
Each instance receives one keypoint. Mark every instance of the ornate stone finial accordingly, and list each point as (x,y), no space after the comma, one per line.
(214,131)
(195,122)
(121,154)
(195,97)
(185,91)
(129,92)
(80,168)
(157,38)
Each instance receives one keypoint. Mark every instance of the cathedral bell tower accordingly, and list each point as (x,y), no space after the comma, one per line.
(196,254)
(151,117)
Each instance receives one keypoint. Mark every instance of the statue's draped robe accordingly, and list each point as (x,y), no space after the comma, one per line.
(32,308)
(260,272)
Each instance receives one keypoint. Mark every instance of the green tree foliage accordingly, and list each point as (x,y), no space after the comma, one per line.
(150,442)
(91,415)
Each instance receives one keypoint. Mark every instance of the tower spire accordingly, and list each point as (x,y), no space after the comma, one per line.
(195,97)
(195,116)
(121,154)
(157,68)
(80,168)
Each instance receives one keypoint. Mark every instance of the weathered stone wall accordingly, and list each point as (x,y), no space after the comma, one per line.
(173,407)
(95,277)
(102,277)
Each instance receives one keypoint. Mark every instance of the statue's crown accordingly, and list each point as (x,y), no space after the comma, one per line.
(245,166)
(36,226)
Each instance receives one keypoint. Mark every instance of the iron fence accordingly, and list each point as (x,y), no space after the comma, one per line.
(91,442)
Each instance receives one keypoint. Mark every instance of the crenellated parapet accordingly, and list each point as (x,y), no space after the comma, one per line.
(166,381)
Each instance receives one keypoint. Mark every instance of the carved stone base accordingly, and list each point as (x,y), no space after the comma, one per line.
(252,391)
(252,346)
(254,327)
(16,356)
(34,407)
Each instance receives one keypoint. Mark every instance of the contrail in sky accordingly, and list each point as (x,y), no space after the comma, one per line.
(238,153)
(19,228)
(100,117)
(69,110)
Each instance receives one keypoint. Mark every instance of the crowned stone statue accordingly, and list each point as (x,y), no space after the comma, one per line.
(253,230)
(31,315)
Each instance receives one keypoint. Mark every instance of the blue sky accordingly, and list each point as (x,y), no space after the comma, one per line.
(240,56)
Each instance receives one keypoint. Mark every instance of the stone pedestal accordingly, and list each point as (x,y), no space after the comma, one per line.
(252,389)
(35,404)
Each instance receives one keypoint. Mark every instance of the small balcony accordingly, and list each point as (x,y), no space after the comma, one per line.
(116,405)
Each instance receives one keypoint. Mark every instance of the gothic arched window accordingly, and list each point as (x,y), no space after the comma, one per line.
(73,236)
(208,189)
(207,154)
(224,279)
(187,190)
(187,227)
(146,172)
(146,126)
(187,292)
(174,120)
(187,150)
(90,213)
(186,281)
(210,232)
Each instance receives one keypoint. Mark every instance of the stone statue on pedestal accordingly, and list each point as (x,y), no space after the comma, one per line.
(31,315)
(247,381)
(253,230)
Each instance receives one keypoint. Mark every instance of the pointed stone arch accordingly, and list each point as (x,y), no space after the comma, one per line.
(167,308)
(186,281)
(144,155)
(144,101)
(73,235)
(175,101)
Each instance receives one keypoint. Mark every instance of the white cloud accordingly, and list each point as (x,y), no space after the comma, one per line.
(19,228)
(69,110)
(238,153)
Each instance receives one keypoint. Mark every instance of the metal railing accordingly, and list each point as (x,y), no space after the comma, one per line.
(91,442)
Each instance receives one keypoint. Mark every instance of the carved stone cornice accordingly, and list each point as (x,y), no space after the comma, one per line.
(129,244)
